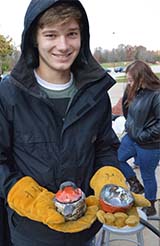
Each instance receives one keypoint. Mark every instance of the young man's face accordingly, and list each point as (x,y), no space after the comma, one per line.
(58,46)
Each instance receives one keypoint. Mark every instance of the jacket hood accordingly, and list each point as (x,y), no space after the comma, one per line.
(85,68)
(35,9)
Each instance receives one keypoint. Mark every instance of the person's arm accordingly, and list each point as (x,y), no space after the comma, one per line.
(23,194)
(151,131)
(8,174)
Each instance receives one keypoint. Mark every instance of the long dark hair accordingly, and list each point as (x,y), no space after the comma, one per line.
(143,77)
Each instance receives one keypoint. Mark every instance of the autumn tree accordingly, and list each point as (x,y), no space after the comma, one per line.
(126,53)
(6,50)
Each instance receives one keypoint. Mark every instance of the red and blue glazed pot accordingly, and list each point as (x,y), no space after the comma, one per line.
(70,201)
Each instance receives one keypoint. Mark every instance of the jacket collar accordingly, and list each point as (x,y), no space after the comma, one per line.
(92,72)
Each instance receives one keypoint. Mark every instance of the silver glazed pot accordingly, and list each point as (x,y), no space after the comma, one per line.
(115,198)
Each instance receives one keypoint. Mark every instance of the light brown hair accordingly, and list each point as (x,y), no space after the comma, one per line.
(60,13)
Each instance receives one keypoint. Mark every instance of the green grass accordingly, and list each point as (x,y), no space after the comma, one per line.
(119,64)
(114,64)
(158,74)
(122,79)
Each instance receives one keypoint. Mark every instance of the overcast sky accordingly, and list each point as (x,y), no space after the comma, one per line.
(112,22)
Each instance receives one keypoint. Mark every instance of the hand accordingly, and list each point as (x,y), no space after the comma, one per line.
(111,175)
(31,200)
(121,219)
(82,223)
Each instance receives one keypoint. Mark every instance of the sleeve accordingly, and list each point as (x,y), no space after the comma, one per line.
(151,131)
(8,174)
(107,142)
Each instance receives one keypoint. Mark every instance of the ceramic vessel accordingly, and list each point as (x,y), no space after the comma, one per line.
(70,201)
(115,198)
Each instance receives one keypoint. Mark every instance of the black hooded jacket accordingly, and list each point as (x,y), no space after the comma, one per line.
(36,142)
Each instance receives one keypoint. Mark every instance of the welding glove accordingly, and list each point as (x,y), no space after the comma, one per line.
(111,175)
(83,222)
(31,200)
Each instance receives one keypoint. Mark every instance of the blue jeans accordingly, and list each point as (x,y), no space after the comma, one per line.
(147,160)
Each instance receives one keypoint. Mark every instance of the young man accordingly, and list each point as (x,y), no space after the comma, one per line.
(55,124)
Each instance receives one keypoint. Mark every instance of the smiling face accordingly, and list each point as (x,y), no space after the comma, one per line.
(58,46)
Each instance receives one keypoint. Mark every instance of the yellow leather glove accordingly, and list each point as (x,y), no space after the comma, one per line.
(31,200)
(111,175)
(82,223)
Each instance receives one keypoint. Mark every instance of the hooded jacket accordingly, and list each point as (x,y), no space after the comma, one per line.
(36,142)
